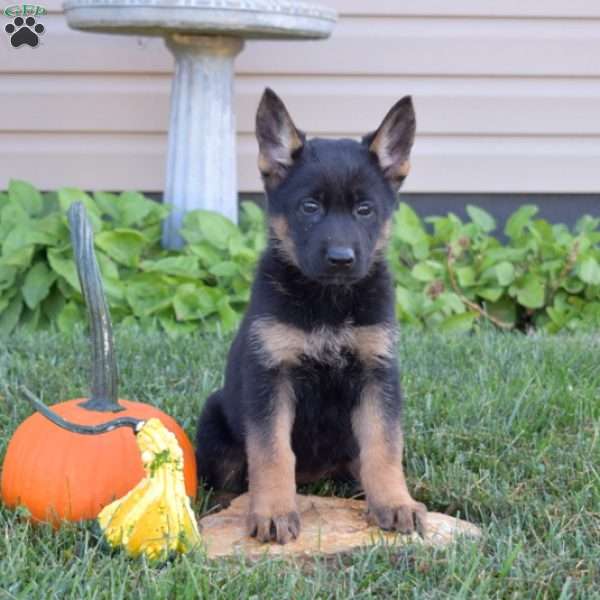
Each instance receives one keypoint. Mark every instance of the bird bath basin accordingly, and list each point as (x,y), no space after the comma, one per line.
(204,36)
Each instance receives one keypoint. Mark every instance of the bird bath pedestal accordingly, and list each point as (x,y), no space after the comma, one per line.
(204,36)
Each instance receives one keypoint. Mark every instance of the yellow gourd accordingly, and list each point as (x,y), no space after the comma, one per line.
(155,518)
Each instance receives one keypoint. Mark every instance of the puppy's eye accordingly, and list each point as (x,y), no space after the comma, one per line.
(364,209)
(310,207)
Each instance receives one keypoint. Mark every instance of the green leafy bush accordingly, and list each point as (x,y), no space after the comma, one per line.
(448,274)
(455,275)
(207,283)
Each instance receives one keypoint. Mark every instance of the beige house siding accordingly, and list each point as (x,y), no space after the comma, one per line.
(507,95)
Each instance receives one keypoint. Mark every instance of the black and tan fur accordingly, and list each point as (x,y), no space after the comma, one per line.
(312,385)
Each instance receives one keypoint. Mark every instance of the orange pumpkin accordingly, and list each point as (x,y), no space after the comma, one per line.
(61,475)
(56,472)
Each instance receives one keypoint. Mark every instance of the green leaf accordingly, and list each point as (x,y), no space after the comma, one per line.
(542,230)
(589,271)
(148,324)
(71,314)
(53,304)
(519,220)
(505,310)
(258,242)
(462,323)
(108,205)
(115,291)
(490,293)
(558,317)
(251,216)
(445,228)
(51,204)
(562,311)
(450,303)
(124,245)
(153,233)
(203,225)
(409,229)
(11,216)
(147,295)
(195,302)
(183,266)
(25,235)
(206,253)
(496,255)
(591,313)
(4,302)
(108,268)
(505,273)
(67,290)
(7,276)
(552,267)
(225,269)
(587,224)
(241,251)
(37,284)
(241,297)
(52,230)
(175,329)
(230,319)
(407,225)
(465,276)
(530,291)
(481,218)
(10,316)
(424,272)
(64,266)
(573,285)
(20,258)
(30,320)
(134,208)
(407,304)
(160,211)
(26,196)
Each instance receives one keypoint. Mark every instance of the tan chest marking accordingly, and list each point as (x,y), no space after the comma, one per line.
(280,344)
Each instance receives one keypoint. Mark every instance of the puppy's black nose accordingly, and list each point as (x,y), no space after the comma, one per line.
(340,256)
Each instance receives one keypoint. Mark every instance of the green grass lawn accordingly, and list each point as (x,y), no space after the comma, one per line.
(501,429)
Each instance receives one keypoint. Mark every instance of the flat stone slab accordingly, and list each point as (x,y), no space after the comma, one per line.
(329,526)
(265,19)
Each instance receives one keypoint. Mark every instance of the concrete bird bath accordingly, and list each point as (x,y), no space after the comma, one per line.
(204,36)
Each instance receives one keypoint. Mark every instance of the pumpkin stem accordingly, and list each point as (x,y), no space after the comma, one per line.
(103,394)
(135,424)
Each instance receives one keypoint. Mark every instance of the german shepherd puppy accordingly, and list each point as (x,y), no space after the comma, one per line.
(312,385)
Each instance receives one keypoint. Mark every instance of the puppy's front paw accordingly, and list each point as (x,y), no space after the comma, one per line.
(280,528)
(404,517)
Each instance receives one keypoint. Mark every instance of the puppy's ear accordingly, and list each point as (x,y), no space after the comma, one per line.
(279,141)
(393,140)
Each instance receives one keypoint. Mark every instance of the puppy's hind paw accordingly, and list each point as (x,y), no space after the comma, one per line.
(277,528)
